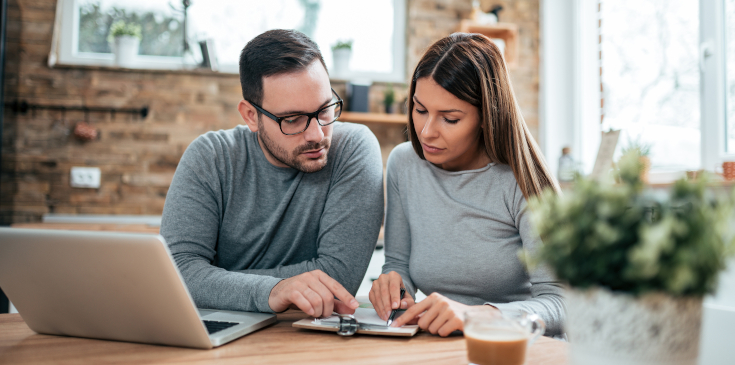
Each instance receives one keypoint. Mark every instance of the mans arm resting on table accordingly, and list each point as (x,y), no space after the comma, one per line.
(353,213)
(190,224)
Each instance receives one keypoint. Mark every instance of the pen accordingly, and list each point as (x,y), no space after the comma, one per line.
(393,312)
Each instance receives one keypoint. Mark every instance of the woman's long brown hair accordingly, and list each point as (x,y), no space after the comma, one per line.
(471,67)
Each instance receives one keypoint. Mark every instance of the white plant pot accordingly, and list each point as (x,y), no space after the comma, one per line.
(341,59)
(126,50)
(610,328)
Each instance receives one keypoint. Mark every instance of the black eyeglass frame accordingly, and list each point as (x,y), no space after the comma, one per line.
(313,115)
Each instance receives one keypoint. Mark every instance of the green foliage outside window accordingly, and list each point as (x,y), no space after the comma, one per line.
(626,238)
(161,35)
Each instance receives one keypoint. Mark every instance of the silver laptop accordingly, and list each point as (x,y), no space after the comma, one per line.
(112,286)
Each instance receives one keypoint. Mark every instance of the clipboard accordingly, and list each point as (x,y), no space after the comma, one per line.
(364,321)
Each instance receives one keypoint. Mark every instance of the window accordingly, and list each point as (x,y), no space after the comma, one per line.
(667,70)
(650,78)
(717,63)
(730,71)
(376,28)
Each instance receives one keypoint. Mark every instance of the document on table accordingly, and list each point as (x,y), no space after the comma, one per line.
(362,315)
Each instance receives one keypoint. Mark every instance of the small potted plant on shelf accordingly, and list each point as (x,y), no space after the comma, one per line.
(125,39)
(638,264)
(643,150)
(341,55)
(389,97)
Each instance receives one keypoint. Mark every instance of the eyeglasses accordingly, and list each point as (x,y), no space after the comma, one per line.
(297,123)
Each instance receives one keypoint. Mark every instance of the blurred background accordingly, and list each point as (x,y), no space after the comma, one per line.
(661,72)
(578,67)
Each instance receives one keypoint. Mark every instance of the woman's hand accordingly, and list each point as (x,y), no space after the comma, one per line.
(386,294)
(437,314)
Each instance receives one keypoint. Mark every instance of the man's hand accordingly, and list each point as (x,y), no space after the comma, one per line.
(314,293)
(385,294)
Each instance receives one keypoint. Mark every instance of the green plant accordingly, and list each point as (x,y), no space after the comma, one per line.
(342,44)
(162,30)
(121,28)
(389,95)
(644,149)
(620,236)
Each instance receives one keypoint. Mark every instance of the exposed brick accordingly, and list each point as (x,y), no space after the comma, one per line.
(137,157)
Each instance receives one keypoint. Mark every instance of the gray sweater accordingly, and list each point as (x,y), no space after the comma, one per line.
(459,234)
(236,224)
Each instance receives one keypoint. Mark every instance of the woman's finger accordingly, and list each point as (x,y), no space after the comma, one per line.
(450,326)
(377,299)
(407,302)
(384,297)
(394,287)
(441,319)
(431,314)
(413,312)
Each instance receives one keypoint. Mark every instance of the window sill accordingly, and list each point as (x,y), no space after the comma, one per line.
(181,71)
(661,181)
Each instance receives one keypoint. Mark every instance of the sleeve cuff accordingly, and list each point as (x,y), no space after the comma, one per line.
(264,292)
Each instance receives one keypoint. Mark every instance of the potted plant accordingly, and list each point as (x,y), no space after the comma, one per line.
(643,150)
(125,39)
(637,264)
(389,97)
(341,55)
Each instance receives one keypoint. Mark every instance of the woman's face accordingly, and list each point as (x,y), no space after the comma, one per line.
(448,128)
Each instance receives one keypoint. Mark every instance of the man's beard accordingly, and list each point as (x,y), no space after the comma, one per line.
(292,160)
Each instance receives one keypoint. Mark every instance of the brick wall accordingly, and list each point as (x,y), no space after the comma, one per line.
(138,157)
(430,20)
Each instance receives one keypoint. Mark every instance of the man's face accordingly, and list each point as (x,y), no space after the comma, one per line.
(303,91)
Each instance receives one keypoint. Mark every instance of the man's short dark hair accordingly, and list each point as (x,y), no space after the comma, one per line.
(274,52)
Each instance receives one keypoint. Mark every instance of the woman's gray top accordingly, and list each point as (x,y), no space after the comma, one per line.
(460,234)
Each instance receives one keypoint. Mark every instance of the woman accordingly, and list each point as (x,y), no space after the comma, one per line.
(456,214)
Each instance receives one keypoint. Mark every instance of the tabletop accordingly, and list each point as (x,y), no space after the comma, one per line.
(278,344)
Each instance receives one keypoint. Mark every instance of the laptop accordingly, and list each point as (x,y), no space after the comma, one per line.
(111,286)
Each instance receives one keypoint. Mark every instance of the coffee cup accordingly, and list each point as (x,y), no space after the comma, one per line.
(500,339)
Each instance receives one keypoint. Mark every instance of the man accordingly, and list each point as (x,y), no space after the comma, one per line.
(285,210)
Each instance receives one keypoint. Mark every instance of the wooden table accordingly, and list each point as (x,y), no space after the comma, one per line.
(277,344)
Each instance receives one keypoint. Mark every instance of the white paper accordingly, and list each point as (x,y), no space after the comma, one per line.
(362,315)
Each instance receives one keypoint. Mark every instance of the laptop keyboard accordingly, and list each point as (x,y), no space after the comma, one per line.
(216,326)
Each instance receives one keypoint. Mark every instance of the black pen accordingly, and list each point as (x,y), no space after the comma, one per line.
(393,312)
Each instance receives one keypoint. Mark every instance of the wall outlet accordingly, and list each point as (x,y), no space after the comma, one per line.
(85,177)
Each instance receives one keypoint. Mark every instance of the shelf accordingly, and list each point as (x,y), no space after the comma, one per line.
(355,117)
(508,32)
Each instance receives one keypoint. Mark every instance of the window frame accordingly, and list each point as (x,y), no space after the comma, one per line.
(569,113)
(68,44)
(65,47)
(713,72)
